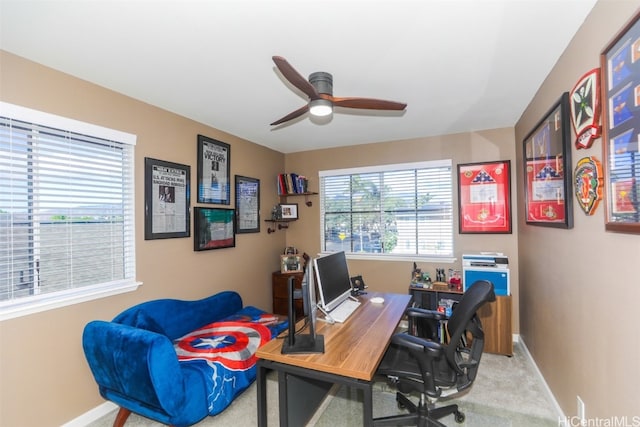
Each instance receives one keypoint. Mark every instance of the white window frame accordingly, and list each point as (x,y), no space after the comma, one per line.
(389,168)
(46,301)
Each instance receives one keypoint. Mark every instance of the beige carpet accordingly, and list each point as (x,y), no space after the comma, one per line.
(507,392)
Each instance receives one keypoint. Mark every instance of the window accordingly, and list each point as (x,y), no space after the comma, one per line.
(66,207)
(402,210)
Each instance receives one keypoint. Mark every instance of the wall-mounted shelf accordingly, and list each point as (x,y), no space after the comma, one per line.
(306,197)
(283,224)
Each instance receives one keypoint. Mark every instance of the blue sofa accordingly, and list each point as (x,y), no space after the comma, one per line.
(176,361)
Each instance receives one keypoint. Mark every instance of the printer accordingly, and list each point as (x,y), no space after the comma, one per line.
(491,266)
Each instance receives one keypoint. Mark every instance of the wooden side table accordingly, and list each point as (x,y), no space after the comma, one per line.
(279,288)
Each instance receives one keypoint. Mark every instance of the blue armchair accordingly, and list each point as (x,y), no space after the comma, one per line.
(172,360)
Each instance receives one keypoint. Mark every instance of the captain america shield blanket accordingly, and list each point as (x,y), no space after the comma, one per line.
(224,352)
(233,344)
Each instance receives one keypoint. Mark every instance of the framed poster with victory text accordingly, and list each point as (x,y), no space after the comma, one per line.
(214,164)
(620,64)
(166,199)
(484,197)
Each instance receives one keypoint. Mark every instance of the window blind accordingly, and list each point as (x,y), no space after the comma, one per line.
(401,209)
(66,207)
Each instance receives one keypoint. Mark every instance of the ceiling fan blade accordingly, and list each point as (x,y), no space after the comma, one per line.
(295,78)
(300,111)
(368,103)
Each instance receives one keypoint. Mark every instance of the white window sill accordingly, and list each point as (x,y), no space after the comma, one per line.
(388,257)
(44,302)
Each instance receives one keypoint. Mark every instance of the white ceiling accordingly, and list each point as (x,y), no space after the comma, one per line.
(460,65)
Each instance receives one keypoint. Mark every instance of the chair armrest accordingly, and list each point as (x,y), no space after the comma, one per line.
(431,349)
(423,313)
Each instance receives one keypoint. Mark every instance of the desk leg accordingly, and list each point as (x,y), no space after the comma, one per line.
(367,406)
(261,382)
(283,399)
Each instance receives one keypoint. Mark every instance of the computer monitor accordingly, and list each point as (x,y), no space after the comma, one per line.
(334,283)
(297,342)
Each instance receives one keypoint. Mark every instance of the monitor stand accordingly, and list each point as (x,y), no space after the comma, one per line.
(301,343)
(304,344)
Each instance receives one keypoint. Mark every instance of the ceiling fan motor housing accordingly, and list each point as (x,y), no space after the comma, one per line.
(322,82)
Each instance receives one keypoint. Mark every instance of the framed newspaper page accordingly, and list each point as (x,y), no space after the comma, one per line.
(247,204)
(166,199)
(214,164)
(484,197)
(620,63)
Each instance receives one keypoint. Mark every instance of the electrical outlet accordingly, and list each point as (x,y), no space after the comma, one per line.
(581,410)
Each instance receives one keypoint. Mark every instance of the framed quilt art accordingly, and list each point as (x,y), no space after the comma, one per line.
(484,197)
(547,174)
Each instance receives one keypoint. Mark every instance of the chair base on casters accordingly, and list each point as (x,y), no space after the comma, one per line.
(419,415)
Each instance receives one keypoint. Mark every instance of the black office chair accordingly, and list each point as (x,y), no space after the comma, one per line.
(434,369)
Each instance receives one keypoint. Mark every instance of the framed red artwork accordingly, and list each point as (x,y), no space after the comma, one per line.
(484,197)
(547,169)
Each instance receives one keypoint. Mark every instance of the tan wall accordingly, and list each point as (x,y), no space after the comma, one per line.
(579,288)
(44,378)
(394,276)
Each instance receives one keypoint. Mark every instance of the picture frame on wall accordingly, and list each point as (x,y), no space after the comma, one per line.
(289,211)
(247,204)
(214,166)
(620,65)
(484,197)
(548,173)
(166,199)
(213,228)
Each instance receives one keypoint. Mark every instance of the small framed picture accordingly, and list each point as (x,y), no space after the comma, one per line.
(291,264)
(289,210)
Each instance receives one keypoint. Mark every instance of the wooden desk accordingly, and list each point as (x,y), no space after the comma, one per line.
(353,351)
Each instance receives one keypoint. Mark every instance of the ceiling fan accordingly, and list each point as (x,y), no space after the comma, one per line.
(319,89)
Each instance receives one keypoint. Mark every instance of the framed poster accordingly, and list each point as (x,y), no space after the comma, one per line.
(213,228)
(166,199)
(214,160)
(247,204)
(484,197)
(620,64)
(547,174)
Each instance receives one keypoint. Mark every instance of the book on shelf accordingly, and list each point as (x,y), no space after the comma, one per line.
(292,183)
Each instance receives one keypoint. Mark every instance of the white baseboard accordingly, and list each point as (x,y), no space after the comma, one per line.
(561,415)
(92,415)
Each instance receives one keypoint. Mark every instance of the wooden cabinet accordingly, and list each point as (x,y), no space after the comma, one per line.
(279,283)
(496,323)
(495,317)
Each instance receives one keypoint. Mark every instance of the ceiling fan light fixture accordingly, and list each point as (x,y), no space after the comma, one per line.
(320,107)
